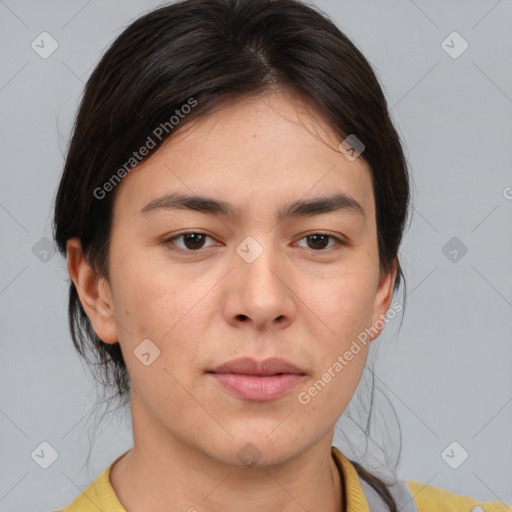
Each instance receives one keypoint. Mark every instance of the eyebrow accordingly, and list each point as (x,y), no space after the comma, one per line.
(300,208)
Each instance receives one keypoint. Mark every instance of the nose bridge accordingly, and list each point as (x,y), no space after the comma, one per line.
(259,262)
(260,293)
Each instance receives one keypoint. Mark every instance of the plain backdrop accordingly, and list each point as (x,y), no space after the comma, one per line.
(446,373)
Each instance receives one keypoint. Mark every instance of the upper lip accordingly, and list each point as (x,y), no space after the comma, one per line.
(248,366)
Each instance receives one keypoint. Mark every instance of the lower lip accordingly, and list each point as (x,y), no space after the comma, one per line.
(256,387)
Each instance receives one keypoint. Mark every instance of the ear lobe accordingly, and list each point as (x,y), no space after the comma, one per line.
(93,291)
(383,300)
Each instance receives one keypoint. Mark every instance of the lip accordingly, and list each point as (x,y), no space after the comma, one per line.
(248,366)
(257,381)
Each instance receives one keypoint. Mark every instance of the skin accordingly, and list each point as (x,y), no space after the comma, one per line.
(298,300)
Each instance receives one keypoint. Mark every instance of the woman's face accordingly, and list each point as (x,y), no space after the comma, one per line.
(254,282)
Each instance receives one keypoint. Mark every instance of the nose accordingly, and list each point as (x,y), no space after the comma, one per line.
(260,289)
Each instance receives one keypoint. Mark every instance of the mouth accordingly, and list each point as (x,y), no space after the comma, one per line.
(250,380)
(267,367)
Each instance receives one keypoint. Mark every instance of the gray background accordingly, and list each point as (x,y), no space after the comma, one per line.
(447,373)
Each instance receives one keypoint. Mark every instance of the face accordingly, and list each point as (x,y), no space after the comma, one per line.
(251,278)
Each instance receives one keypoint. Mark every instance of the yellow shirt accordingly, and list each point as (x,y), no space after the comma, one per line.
(101,496)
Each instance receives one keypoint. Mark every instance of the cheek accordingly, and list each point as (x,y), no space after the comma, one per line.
(147,296)
(166,306)
(151,305)
(344,301)
(345,307)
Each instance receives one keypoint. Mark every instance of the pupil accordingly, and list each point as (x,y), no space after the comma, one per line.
(319,238)
(194,239)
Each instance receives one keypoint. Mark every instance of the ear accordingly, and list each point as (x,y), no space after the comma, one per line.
(94,293)
(383,299)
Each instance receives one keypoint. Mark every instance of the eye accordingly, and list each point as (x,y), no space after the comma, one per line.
(320,241)
(192,241)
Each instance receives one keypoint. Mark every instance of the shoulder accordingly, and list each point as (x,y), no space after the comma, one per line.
(99,496)
(433,499)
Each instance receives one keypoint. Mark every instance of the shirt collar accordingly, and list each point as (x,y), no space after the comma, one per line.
(354,496)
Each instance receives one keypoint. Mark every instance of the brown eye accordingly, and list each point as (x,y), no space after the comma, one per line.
(191,241)
(320,241)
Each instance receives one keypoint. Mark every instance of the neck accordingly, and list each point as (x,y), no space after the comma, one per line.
(162,473)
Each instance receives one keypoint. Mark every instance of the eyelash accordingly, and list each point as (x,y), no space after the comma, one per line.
(338,241)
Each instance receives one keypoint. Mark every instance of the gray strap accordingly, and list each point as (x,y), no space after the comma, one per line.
(400,492)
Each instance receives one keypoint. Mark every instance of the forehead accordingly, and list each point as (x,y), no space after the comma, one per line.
(256,154)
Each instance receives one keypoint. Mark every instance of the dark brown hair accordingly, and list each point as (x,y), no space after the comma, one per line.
(213,51)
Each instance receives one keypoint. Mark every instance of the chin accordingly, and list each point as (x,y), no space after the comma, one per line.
(263,447)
